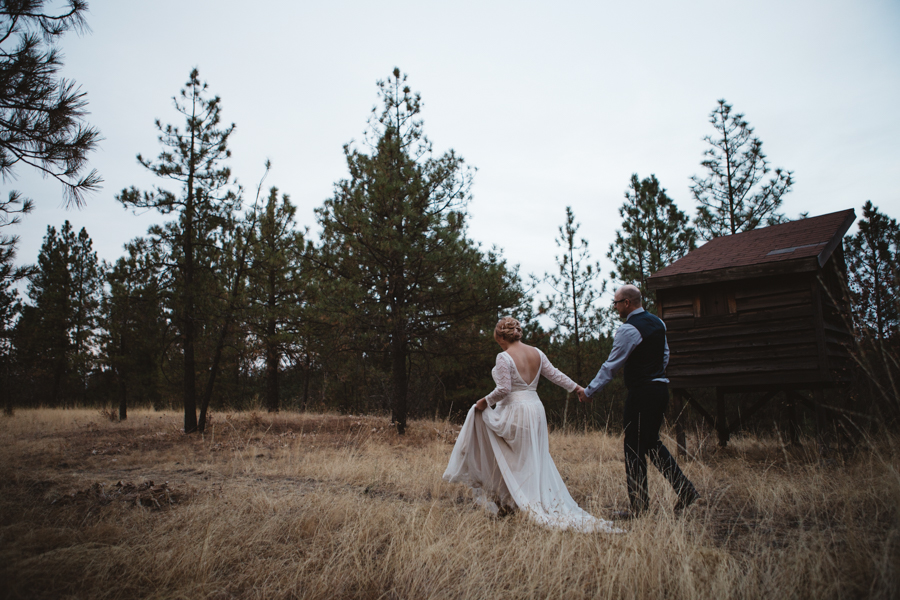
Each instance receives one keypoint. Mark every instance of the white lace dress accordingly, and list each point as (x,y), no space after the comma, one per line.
(503,452)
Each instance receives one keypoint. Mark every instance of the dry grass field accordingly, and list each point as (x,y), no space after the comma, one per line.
(327,506)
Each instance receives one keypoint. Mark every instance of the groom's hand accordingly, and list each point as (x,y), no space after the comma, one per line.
(582,396)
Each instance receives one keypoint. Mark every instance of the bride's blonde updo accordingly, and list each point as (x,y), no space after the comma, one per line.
(508,329)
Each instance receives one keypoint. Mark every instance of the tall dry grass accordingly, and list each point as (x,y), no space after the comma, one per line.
(327,506)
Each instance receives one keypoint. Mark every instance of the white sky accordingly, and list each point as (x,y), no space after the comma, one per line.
(555,104)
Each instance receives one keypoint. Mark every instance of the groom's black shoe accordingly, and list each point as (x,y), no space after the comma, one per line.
(624,515)
(686,499)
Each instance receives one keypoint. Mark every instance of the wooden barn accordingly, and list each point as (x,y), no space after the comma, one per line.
(759,311)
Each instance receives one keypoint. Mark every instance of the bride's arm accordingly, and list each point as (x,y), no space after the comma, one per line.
(555,375)
(504,382)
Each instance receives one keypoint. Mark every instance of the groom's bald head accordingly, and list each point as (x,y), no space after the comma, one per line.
(631,293)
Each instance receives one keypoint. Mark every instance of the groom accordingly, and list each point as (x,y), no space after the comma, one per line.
(640,347)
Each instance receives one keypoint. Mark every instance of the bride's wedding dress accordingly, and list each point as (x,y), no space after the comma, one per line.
(504,453)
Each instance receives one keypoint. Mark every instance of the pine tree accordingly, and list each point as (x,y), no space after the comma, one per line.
(87,289)
(55,336)
(135,324)
(394,254)
(205,202)
(42,115)
(572,306)
(872,257)
(654,234)
(276,285)
(11,211)
(728,199)
(9,310)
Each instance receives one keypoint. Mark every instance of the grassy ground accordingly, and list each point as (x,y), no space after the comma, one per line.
(326,506)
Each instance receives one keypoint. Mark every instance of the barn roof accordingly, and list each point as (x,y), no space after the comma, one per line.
(796,246)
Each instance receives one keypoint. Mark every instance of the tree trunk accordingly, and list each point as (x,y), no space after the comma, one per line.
(190,381)
(123,398)
(306,382)
(187,243)
(398,375)
(211,381)
(188,333)
(236,288)
(272,361)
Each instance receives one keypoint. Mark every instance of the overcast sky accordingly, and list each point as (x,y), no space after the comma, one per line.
(556,104)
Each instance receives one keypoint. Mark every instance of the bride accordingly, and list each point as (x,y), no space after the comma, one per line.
(503,453)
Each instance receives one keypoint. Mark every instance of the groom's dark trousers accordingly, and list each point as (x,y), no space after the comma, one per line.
(641,351)
(644,409)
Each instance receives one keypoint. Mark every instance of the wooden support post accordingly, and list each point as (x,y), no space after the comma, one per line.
(678,411)
(793,426)
(721,421)
(699,408)
(745,415)
(823,432)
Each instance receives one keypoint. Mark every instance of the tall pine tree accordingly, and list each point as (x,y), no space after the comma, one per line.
(572,305)
(654,234)
(55,338)
(135,324)
(393,245)
(205,201)
(728,198)
(872,257)
(276,286)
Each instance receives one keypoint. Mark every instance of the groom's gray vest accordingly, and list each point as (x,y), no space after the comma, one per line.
(646,361)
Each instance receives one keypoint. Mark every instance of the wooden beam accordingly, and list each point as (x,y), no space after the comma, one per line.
(823,432)
(802,399)
(749,382)
(721,421)
(698,407)
(819,318)
(751,411)
(678,409)
(836,239)
(770,269)
(793,426)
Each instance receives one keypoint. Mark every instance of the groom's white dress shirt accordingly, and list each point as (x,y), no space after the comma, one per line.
(626,340)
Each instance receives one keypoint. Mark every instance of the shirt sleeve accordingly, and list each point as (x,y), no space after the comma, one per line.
(666,354)
(626,340)
(555,375)
(504,382)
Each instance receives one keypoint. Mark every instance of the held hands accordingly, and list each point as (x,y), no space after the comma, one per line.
(582,397)
(481,404)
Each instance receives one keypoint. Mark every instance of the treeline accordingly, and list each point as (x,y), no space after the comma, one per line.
(228,304)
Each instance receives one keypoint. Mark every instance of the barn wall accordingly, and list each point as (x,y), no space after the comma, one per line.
(761,331)
(836,315)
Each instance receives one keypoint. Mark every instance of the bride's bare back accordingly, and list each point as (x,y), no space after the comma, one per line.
(527,359)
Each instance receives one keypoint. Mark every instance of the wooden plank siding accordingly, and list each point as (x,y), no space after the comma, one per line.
(757,331)
(836,315)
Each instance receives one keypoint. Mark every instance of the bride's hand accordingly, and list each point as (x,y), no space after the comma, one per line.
(582,395)
(481,404)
